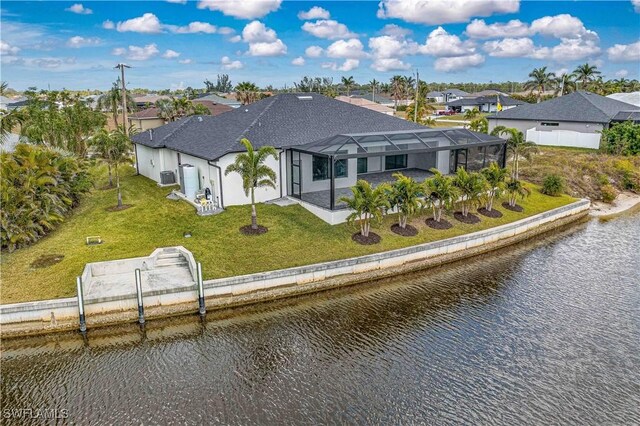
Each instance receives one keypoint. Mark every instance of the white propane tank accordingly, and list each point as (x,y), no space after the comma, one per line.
(191,181)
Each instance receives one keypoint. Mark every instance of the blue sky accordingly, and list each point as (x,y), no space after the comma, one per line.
(179,43)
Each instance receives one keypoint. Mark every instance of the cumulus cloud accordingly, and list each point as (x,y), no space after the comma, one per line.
(299,61)
(79,9)
(350,49)
(624,52)
(636,5)
(514,28)
(394,30)
(276,48)
(185,61)
(438,12)
(328,28)
(509,47)
(566,51)
(108,25)
(170,54)
(7,49)
(561,26)
(458,63)
(150,24)
(622,73)
(313,51)
(389,64)
(347,65)
(193,28)
(78,41)
(241,9)
(137,53)
(315,12)
(442,44)
(263,41)
(228,64)
(147,24)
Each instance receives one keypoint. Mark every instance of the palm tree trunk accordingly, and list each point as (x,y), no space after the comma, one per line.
(254,214)
(110,176)
(118,186)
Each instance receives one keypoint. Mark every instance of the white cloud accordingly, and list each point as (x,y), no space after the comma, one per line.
(391,47)
(442,44)
(636,5)
(394,30)
(228,64)
(7,49)
(256,31)
(622,73)
(185,61)
(299,61)
(108,25)
(313,51)
(235,39)
(137,53)
(509,47)
(351,49)
(437,12)
(328,28)
(561,26)
(459,63)
(147,23)
(514,28)
(79,9)
(389,64)
(193,28)
(347,65)
(566,51)
(170,54)
(624,52)
(226,30)
(177,1)
(276,48)
(244,9)
(315,12)
(78,41)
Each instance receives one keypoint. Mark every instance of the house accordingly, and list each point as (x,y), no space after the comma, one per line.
(378,98)
(364,103)
(483,103)
(324,146)
(573,120)
(487,92)
(143,101)
(447,95)
(212,97)
(150,118)
(632,98)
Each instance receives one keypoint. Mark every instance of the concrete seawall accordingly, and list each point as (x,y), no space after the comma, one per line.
(62,314)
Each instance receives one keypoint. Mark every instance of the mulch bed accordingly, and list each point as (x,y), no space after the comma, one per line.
(493,213)
(470,219)
(408,231)
(373,238)
(119,209)
(47,260)
(248,230)
(443,224)
(515,208)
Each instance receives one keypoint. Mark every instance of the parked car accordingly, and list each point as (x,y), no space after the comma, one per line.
(446,112)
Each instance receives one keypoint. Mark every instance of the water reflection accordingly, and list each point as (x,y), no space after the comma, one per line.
(537,333)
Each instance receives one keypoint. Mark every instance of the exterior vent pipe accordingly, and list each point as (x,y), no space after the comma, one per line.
(150,134)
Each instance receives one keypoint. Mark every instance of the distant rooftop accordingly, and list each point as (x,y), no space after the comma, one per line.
(212,97)
(632,98)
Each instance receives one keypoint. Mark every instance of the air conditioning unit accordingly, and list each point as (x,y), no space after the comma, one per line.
(167,177)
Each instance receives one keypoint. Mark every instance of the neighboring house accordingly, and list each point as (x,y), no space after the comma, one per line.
(17,104)
(144,101)
(447,95)
(212,97)
(632,98)
(150,118)
(483,103)
(488,92)
(364,103)
(379,98)
(573,120)
(325,145)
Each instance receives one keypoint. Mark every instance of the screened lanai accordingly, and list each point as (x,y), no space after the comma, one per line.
(323,171)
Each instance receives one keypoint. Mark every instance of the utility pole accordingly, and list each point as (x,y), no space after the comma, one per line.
(124,96)
(415,112)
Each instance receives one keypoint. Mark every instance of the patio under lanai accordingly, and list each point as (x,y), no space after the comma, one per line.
(322,172)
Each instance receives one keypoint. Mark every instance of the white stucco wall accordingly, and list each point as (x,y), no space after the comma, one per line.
(148,160)
(567,133)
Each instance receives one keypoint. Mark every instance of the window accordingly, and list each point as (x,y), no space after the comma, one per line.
(363,165)
(392,162)
(320,167)
(547,124)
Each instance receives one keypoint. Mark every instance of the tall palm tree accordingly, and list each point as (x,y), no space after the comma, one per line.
(119,153)
(255,174)
(101,142)
(405,196)
(9,120)
(348,83)
(540,80)
(398,89)
(441,193)
(516,145)
(182,106)
(368,204)
(112,101)
(247,92)
(424,109)
(374,86)
(586,73)
(564,84)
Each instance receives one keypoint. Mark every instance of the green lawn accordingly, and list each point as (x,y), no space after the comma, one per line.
(296,237)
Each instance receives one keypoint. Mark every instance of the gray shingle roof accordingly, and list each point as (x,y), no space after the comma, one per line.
(579,106)
(218,99)
(627,116)
(504,101)
(281,121)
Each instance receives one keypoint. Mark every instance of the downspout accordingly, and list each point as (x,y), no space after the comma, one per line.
(220,179)
(280,165)
(135,151)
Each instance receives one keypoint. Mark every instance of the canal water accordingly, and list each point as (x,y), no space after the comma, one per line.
(546,332)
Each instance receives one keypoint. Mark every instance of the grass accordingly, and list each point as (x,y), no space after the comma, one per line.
(296,237)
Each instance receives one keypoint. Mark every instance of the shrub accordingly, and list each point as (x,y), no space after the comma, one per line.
(621,139)
(609,193)
(552,185)
(401,108)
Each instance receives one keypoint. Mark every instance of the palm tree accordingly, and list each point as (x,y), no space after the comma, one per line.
(564,84)
(367,203)
(516,145)
(199,109)
(247,92)
(166,109)
(112,101)
(119,153)
(423,112)
(374,85)
(515,188)
(398,88)
(471,114)
(8,121)
(540,79)
(479,125)
(348,83)
(182,106)
(101,142)
(622,84)
(405,196)
(441,193)
(495,177)
(255,174)
(471,187)
(586,73)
